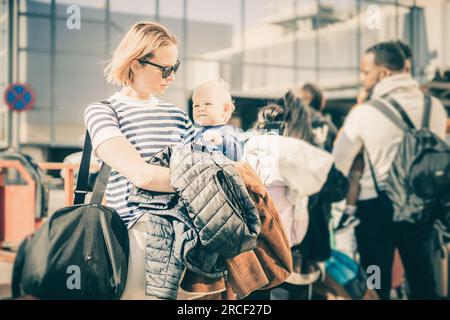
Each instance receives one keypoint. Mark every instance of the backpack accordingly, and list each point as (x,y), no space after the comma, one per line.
(420,173)
(80,252)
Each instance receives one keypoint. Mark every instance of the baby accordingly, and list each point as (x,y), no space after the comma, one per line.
(212,109)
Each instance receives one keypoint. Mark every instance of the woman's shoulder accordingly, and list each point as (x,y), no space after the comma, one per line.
(98,106)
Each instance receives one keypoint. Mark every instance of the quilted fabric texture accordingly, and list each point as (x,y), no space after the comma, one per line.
(217,200)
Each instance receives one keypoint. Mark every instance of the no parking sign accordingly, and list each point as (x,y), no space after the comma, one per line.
(19,96)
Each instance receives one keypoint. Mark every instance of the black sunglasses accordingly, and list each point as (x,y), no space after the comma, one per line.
(166,71)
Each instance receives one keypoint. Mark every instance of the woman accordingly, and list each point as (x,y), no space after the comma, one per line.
(129,128)
(297,174)
(322,127)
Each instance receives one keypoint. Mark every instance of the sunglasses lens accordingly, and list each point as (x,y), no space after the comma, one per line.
(166,72)
(175,67)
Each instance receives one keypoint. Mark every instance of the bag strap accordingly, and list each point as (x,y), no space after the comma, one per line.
(372,172)
(380,106)
(100,184)
(83,174)
(402,112)
(82,182)
(427,111)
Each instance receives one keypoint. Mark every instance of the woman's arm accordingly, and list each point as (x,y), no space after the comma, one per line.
(120,154)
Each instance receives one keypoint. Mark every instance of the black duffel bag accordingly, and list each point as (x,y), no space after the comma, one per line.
(80,252)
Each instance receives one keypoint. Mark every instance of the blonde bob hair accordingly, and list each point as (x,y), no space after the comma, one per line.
(139,42)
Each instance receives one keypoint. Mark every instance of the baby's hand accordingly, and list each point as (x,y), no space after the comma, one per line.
(212,136)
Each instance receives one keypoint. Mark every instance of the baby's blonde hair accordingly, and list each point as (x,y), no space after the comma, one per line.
(222,85)
(139,42)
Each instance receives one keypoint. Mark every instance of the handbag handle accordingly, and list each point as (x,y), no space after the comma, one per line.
(102,178)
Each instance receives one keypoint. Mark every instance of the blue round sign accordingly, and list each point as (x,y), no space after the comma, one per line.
(19,96)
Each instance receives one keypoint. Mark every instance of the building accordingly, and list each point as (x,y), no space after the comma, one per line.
(261,48)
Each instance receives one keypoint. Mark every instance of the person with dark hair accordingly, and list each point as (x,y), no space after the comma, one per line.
(348,219)
(324,131)
(407,52)
(312,96)
(375,63)
(301,180)
(377,234)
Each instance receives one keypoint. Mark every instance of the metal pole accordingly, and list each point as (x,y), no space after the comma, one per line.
(397,28)
(157,10)
(107,27)
(13,119)
(317,42)
(445,35)
(358,38)
(242,57)
(295,43)
(185,53)
(52,70)
(411,37)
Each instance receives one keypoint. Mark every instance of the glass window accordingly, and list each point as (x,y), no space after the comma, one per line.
(170,14)
(38,128)
(91,38)
(134,7)
(270,28)
(34,69)
(340,82)
(304,75)
(34,33)
(78,80)
(338,41)
(200,71)
(124,14)
(171,8)
(258,79)
(69,126)
(380,22)
(214,28)
(91,9)
(35,6)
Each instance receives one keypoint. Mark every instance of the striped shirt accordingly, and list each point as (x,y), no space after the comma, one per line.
(149,125)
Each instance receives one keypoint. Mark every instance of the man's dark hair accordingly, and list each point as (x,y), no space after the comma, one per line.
(406,49)
(388,54)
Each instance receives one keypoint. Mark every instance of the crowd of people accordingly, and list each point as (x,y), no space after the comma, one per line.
(299,155)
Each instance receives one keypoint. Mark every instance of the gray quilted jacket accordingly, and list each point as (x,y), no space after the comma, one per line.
(209,219)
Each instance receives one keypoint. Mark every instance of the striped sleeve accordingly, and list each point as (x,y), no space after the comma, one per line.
(189,131)
(101,123)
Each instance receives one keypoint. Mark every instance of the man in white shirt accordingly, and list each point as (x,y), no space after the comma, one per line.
(383,74)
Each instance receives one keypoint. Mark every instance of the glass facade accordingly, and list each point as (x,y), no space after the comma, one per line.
(260,47)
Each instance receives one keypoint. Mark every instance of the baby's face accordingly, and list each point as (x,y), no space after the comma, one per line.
(209,106)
